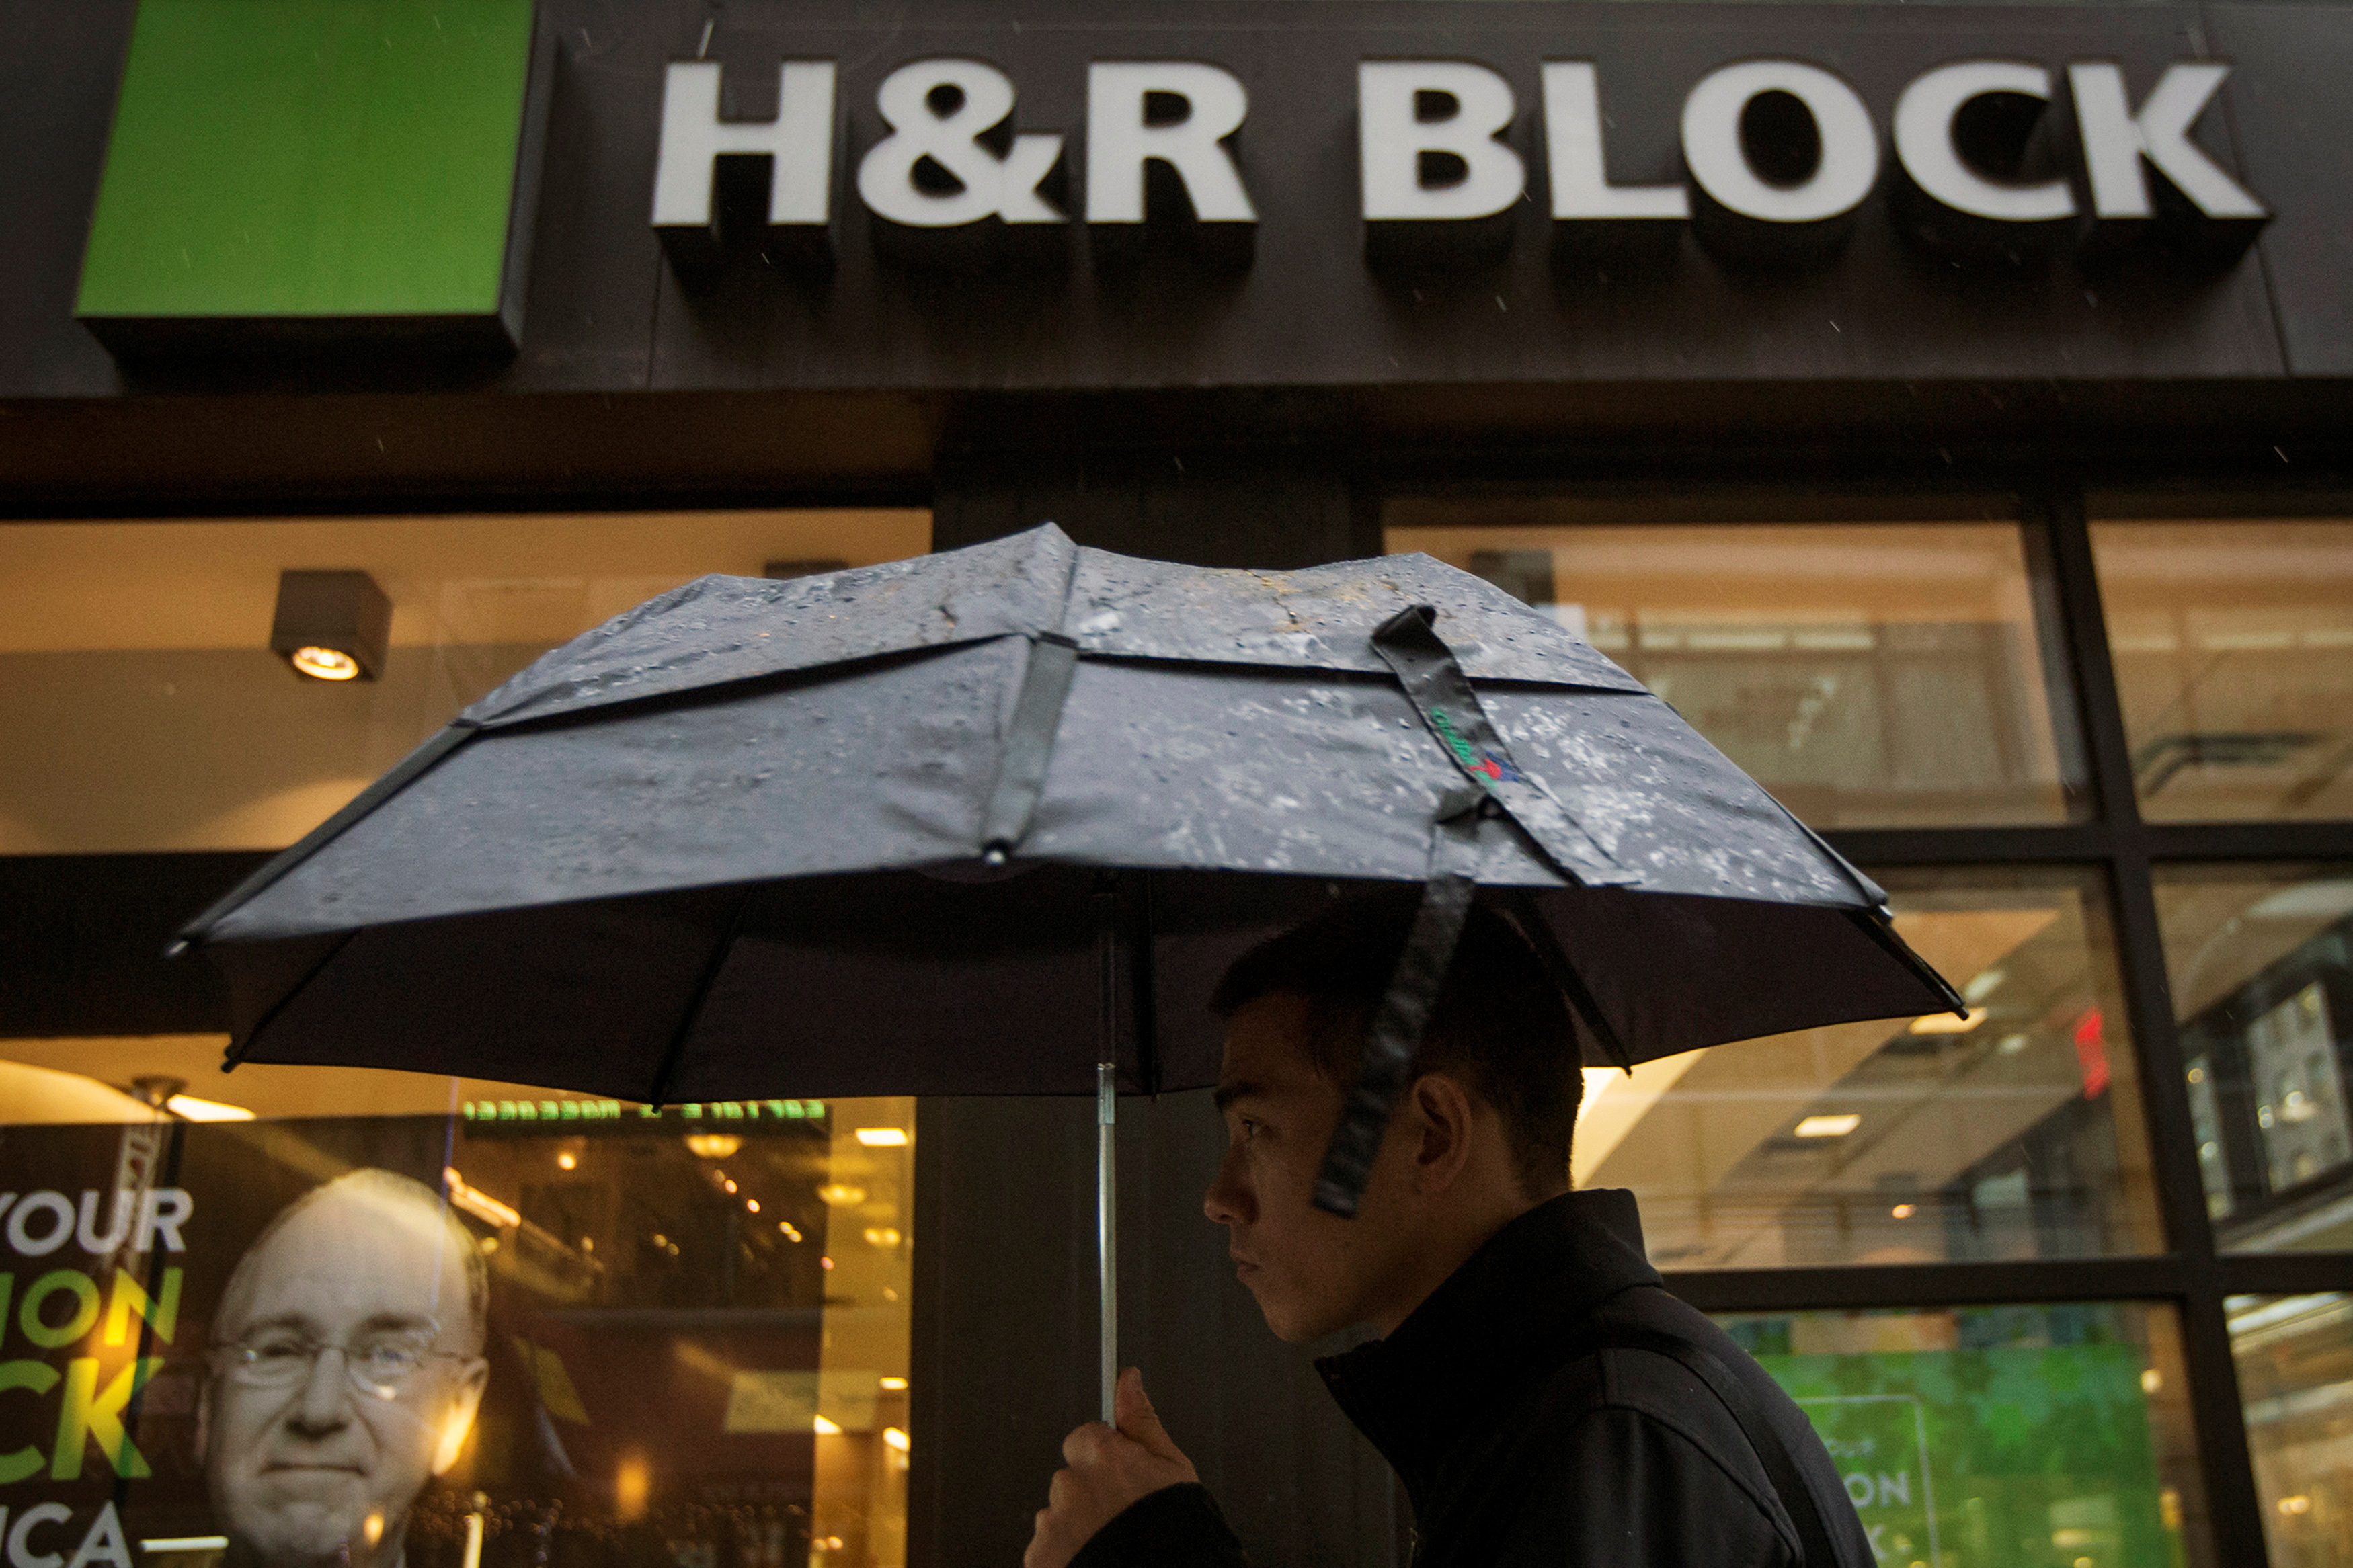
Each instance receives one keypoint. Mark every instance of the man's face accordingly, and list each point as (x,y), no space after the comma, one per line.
(304,1463)
(1313,1273)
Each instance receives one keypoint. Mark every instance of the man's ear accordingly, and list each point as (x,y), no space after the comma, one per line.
(1445,1110)
(459,1419)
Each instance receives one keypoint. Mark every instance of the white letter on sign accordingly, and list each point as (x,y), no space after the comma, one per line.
(2116,140)
(1581,177)
(1711,150)
(938,109)
(1924,141)
(1120,141)
(1393,137)
(800,140)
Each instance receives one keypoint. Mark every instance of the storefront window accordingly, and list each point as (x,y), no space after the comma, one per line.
(1868,674)
(2015,1134)
(2054,1436)
(146,712)
(2233,651)
(454,1324)
(2261,962)
(2295,1356)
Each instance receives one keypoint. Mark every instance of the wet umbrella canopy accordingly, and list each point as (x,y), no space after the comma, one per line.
(976,822)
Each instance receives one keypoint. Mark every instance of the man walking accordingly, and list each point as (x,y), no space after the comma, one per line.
(1543,1399)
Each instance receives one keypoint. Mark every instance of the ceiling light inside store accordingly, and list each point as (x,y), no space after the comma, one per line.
(1903,1211)
(894,1383)
(331,626)
(188,1108)
(1947,1023)
(325,663)
(1829,1126)
(825,1428)
(712,1145)
(883,1137)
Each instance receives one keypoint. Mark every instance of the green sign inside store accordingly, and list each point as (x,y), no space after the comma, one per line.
(320,171)
(2021,1457)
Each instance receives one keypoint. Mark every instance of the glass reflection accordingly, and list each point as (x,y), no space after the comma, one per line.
(2295,1356)
(2014,1135)
(2233,651)
(2051,1434)
(689,1346)
(2260,964)
(1867,674)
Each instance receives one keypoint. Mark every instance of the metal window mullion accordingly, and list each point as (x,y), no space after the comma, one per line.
(2234,1506)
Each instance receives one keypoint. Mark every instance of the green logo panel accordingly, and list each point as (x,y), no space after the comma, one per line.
(1999,1457)
(312,158)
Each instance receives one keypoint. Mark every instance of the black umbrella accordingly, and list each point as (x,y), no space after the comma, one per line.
(994,821)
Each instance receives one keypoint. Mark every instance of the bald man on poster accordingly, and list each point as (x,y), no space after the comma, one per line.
(346,1369)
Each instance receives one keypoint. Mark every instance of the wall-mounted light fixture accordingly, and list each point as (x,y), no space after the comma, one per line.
(331,626)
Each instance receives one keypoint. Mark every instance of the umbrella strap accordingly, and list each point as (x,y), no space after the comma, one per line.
(1395,1035)
(1433,682)
(1028,746)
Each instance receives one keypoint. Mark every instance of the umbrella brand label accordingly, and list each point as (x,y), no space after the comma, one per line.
(1486,763)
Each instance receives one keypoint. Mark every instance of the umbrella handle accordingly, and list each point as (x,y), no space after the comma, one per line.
(1107,1229)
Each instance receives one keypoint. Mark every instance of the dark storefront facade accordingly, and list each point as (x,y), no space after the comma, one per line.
(1945,408)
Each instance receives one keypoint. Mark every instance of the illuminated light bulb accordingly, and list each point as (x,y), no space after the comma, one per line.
(752,1206)
(825,1428)
(894,1383)
(1829,1126)
(792,1232)
(2151,1381)
(1903,1211)
(326,663)
(825,1263)
(882,1235)
(632,1484)
(894,1438)
(188,1108)
(567,1160)
(840,1196)
(883,1137)
(729,1185)
(712,1145)
(372,1527)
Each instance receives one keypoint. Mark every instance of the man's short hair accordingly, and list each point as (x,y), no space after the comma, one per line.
(1499,1025)
(390,1187)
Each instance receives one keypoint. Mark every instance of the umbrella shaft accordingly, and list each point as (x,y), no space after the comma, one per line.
(1107,1229)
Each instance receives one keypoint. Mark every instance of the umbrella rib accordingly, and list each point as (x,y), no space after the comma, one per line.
(1554,959)
(235,1056)
(1882,932)
(694,1013)
(443,741)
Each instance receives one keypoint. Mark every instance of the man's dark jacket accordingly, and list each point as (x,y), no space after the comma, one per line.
(1520,1443)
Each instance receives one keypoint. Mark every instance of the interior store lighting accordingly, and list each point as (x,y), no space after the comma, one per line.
(1829,1126)
(883,1137)
(478,1203)
(331,626)
(894,1384)
(825,1428)
(1946,1024)
(712,1145)
(188,1108)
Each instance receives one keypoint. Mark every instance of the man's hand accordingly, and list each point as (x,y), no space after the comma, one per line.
(1107,1469)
